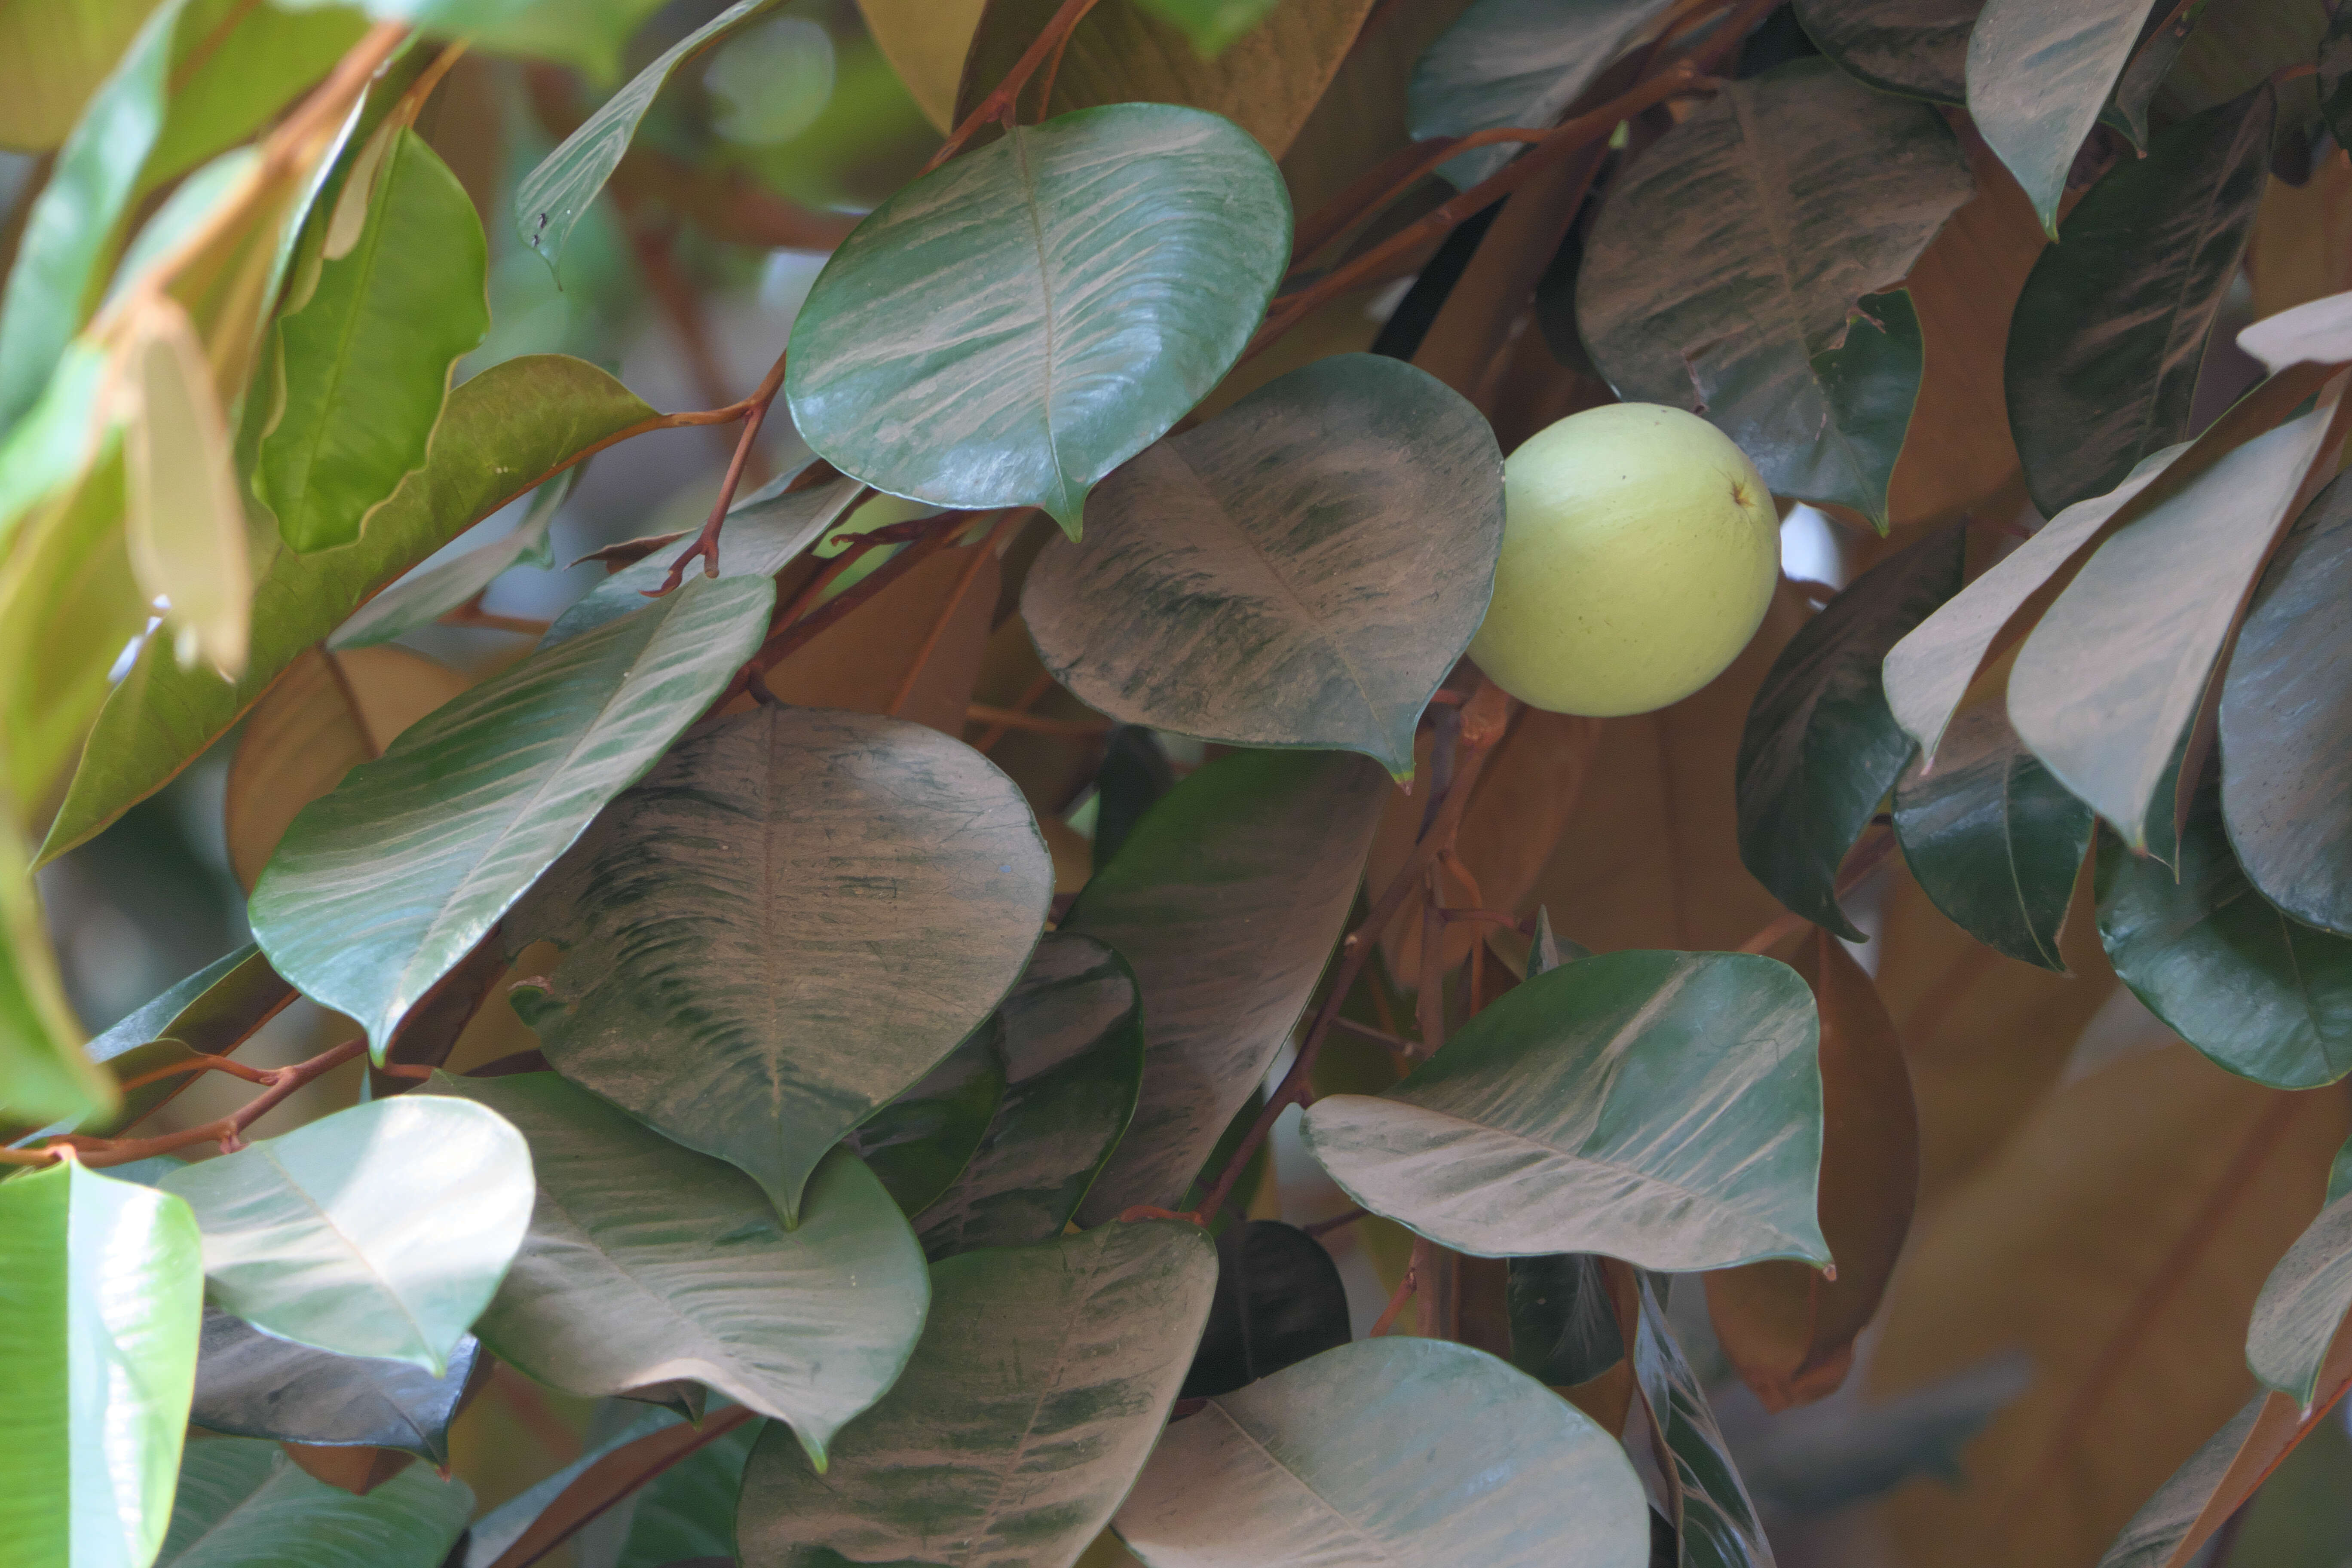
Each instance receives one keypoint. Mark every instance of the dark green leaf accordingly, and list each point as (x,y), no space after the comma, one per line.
(1134,774)
(1279,1301)
(2110,333)
(1994,841)
(2336,77)
(1660,1107)
(382,886)
(1515,62)
(1226,901)
(1041,1382)
(646,1262)
(1916,47)
(921,1142)
(787,882)
(1073,1041)
(2038,76)
(1564,1328)
(2303,1305)
(244,1504)
(1821,747)
(2286,723)
(1301,571)
(421,598)
(2266,996)
(687,1512)
(1715,1523)
(1724,274)
(1386,1452)
(1063,294)
(252,1385)
(501,434)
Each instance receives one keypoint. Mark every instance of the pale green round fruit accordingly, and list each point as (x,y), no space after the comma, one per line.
(1640,550)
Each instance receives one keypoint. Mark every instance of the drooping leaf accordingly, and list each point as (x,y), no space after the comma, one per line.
(182,522)
(1821,747)
(1714,1522)
(499,435)
(1563,1329)
(1073,1045)
(2108,681)
(1279,1301)
(1009,329)
(418,600)
(2038,76)
(48,1075)
(382,1230)
(1724,274)
(801,914)
(2303,1305)
(1916,48)
(919,1144)
(1226,900)
(2286,723)
(1993,839)
(1515,62)
(551,199)
(649,1263)
(2110,333)
(244,1504)
(1041,1379)
(1301,571)
(252,1385)
(379,888)
(686,1512)
(1387,1451)
(1660,1107)
(100,1295)
(2264,994)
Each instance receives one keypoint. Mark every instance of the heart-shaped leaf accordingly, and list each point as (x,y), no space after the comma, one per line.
(1301,571)
(1388,1451)
(1660,1107)
(378,889)
(1226,900)
(648,1263)
(1006,330)
(1279,1301)
(244,1504)
(252,1385)
(1041,1379)
(799,914)
(2038,76)
(919,1143)
(379,1231)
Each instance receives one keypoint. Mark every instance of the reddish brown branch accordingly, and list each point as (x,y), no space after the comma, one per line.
(228,1132)
(998,104)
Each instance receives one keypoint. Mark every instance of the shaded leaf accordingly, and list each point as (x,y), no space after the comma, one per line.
(1821,747)
(787,880)
(2110,333)
(919,1144)
(2335,69)
(1726,266)
(1225,900)
(252,1385)
(1916,48)
(2301,1307)
(418,600)
(1279,1301)
(638,1432)
(648,1263)
(1108,267)
(234,67)
(1301,571)
(1564,1328)
(1661,1107)
(687,1512)
(380,888)
(1390,1450)
(2038,76)
(1714,1522)
(244,1504)
(1072,1043)
(46,1072)
(1043,1376)
(1820,1461)
(99,1296)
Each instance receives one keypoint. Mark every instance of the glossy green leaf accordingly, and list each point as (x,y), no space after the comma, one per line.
(363,364)
(2038,76)
(1301,571)
(380,888)
(1664,1107)
(252,1385)
(2303,1304)
(46,1073)
(418,600)
(1040,1383)
(2110,333)
(1384,1452)
(1008,330)
(100,1291)
(921,1142)
(1929,672)
(1279,1301)
(552,198)
(1993,840)
(1514,63)
(382,1230)
(2286,723)
(788,883)
(2264,995)
(1725,272)
(1211,26)
(244,1504)
(2113,675)
(1714,1522)
(1073,1044)
(1821,747)
(687,1511)
(1225,900)
(501,434)
(649,1263)
(1916,48)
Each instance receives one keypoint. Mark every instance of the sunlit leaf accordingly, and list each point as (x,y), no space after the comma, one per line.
(183,520)
(2038,76)
(252,1385)
(244,1504)
(1514,63)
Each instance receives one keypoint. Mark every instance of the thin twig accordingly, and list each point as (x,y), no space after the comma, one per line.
(706,543)
(228,1064)
(1030,697)
(983,552)
(228,1132)
(1388,1317)
(1322,1227)
(998,104)
(1015,719)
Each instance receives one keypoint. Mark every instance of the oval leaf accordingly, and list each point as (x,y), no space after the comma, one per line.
(244,1504)
(2038,76)
(252,1385)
